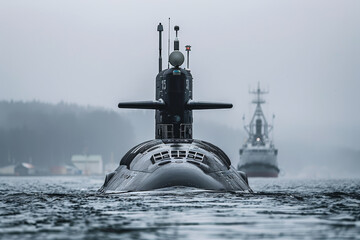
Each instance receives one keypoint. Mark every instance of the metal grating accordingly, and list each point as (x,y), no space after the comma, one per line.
(160,156)
(196,155)
(178,154)
(165,155)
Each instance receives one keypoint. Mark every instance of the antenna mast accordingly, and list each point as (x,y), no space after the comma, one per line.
(258,114)
(258,92)
(160,29)
(188,49)
(168,44)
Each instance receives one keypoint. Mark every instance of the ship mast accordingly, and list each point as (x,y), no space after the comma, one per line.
(258,128)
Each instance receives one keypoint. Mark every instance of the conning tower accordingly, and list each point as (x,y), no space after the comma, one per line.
(174,96)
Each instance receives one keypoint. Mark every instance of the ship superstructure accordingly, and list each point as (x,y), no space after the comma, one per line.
(258,155)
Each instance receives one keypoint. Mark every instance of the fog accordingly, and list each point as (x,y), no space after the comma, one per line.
(97,53)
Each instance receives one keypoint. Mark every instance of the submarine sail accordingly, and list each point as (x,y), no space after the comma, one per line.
(174,158)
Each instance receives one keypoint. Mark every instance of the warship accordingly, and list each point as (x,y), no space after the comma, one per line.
(174,158)
(258,155)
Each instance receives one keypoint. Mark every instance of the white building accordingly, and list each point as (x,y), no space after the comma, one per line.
(88,164)
(8,170)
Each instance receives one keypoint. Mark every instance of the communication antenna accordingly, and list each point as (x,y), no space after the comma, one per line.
(169,44)
(273,117)
(160,29)
(176,41)
(188,49)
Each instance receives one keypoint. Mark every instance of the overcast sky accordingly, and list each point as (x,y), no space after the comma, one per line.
(307,53)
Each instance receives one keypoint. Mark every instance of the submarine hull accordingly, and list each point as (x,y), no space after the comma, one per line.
(166,163)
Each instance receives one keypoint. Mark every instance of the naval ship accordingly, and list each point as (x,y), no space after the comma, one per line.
(258,155)
(174,158)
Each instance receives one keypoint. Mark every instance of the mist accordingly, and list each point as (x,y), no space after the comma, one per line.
(95,53)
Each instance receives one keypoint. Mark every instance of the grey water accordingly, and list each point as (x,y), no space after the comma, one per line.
(71,208)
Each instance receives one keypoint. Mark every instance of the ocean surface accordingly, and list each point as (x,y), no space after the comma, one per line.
(71,208)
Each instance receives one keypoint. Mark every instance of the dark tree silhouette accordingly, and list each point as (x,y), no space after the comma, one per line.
(47,134)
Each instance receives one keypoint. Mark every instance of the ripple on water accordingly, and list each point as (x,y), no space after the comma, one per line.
(71,208)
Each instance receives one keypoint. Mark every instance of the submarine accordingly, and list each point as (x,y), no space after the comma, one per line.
(174,158)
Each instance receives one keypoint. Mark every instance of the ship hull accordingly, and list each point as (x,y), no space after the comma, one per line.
(260,162)
(259,170)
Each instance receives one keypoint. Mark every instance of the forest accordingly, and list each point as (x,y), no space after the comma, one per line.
(49,134)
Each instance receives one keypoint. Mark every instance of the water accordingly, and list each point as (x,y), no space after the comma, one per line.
(70,208)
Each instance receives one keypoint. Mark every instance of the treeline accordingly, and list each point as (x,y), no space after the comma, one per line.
(47,134)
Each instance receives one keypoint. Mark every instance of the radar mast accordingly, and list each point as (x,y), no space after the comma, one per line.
(258,128)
